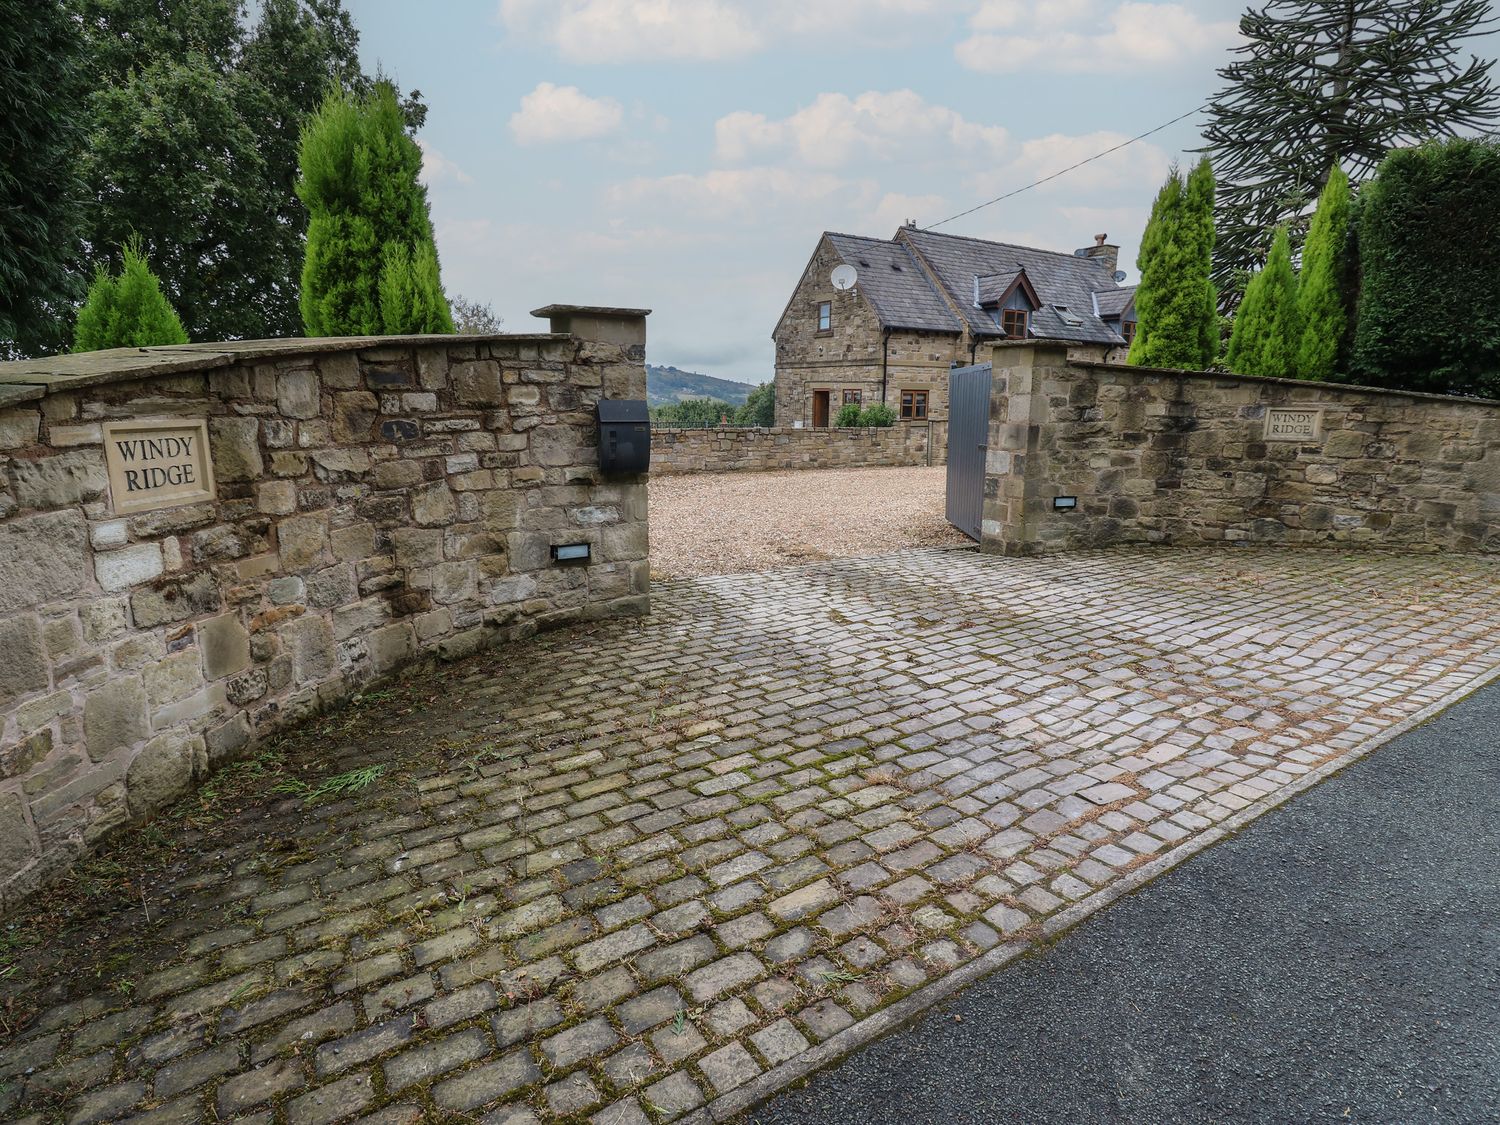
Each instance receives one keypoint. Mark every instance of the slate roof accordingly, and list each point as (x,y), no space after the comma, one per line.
(903,294)
(1059,279)
(894,283)
(1113,302)
(993,287)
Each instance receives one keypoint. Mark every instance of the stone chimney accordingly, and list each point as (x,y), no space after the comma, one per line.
(1103,252)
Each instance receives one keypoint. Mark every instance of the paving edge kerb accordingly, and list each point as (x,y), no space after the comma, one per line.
(888,1019)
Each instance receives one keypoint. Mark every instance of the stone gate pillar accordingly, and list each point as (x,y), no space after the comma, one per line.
(1018,440)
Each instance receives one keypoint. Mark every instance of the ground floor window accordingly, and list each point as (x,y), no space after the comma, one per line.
(851,397)
(913,404)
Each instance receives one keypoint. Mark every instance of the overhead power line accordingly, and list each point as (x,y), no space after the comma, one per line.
(1065,171)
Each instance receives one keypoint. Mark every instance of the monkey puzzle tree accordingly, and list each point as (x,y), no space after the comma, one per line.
(1319,84)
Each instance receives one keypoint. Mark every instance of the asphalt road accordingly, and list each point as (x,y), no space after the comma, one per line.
(1338,960)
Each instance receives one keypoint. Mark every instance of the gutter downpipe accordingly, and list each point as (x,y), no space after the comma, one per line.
(885,348)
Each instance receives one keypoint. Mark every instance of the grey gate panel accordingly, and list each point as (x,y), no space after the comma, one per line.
(968,435)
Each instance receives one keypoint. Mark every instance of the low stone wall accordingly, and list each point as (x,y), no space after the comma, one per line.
(1154,456)
(728,449)
(365,503)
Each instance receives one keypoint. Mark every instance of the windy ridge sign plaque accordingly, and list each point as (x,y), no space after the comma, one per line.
(157,463)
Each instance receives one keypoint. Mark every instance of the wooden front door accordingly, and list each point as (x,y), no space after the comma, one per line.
(820,409)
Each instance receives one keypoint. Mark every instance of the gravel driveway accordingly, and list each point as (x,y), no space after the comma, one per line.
(725,523)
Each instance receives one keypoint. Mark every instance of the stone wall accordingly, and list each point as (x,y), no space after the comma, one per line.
(1179,457)
(377,501)
(727,449)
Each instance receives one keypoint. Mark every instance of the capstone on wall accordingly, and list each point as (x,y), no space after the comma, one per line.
(1176,457)
(377,502)
(725,449)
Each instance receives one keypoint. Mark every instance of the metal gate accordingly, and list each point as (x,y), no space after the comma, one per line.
(968,435)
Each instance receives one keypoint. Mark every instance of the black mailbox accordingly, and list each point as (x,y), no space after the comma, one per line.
(624,436)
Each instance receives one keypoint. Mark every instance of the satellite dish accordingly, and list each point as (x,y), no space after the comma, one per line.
(1119,276)
(844,277)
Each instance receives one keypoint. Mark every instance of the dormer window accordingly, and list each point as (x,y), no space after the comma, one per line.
(1127,329)
(1013,321)
(825,316)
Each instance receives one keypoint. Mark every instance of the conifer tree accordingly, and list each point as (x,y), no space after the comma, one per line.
(371,263)
(128,311)
(41,87)
(1320,84)
(1320,298)
(411,293)
(1429,271)
(1176,321)
(1264,341)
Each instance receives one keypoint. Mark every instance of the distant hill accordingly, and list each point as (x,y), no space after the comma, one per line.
(666,385)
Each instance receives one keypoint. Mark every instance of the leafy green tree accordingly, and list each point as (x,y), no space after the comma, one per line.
(759,408)
(1320,84)
(371,263)
(474,318)
(171,156)
(128,311)
(877,414)
(1176,317)
(41,88)
(1429,262)
(1266,331)
(1320,291)
(193,132)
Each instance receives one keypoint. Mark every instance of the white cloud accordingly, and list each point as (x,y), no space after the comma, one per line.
(836,129)
(1133,169)
(729,192)
(564,113)
(1011,35)
(896,208)
(629,30)
(612,31)
(437,168)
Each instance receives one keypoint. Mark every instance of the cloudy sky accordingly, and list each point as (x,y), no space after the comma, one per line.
(683,155)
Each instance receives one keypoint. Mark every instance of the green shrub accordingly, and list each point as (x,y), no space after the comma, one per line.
(129,311)
(1428,237)
(877,414)
(848,415)
(693,412)
(1266,329)
(759,408)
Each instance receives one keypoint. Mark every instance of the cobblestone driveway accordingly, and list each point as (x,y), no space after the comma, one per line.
(626,870)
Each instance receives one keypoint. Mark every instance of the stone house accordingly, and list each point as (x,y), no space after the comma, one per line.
(924,302)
